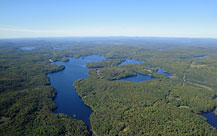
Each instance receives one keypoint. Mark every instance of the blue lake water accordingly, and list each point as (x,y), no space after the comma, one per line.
(28,48)
(55,48)
(211,118)
(137,78)
(200,57)
(67,45)
(161,71)
(131,61)
(67,99)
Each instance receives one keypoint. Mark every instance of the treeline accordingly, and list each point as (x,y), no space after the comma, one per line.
(161,107)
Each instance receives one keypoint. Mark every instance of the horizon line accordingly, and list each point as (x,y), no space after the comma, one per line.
(109,37)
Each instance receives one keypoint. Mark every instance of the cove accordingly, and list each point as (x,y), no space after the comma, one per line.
(137,78)
(67,99)
(211,118)
(161,71)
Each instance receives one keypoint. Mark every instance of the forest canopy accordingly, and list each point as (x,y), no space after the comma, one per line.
(161,106)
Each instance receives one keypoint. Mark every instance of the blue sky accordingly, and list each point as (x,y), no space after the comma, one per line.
(151,18)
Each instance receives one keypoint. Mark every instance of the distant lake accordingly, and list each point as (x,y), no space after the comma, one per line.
(200,57)
(131,61)
(67,45)
(137,78)
(55,48)
(161,71)
(67,99)
(28,48)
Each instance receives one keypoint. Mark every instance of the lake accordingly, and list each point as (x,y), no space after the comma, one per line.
(56,48)
(67,99)
(141,77)
(200,57)
(161,71)
(211,118)
(131,61)
(137,78)
(28,48)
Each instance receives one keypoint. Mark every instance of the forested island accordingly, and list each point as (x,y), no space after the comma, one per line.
(165,105)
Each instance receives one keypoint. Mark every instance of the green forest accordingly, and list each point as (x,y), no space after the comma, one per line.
(163,106)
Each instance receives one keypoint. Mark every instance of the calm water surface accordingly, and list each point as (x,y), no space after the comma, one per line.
(211,118)
(200,57)
(67,99)
(161,71)
(56,48)
(137,78)
(28,48)
(131,61)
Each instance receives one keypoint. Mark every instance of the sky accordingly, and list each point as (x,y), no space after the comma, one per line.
(148,18)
